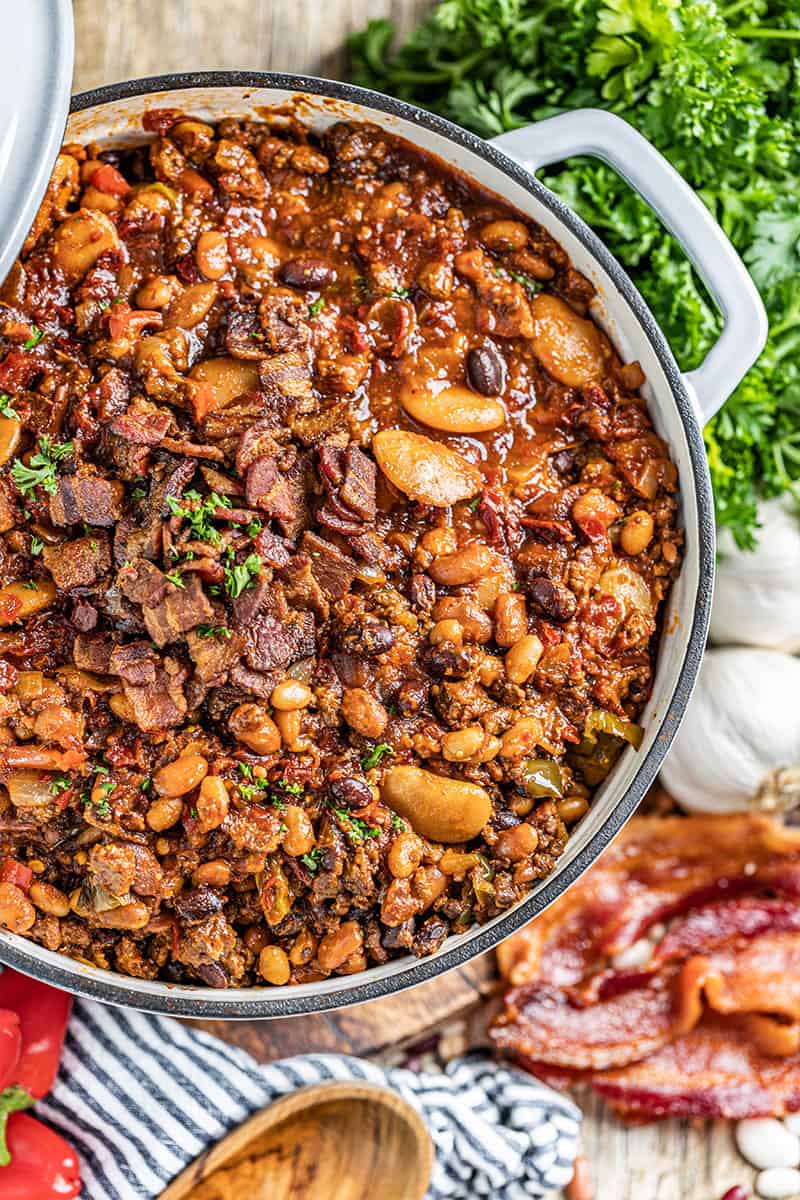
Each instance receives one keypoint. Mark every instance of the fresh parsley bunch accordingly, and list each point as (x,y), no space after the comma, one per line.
(717,89)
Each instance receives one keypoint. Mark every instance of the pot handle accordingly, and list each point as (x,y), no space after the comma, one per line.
(605,136)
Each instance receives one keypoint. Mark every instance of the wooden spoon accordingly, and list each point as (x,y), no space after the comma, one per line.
(347,1140)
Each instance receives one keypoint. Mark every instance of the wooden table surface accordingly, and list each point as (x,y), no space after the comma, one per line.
(123,39)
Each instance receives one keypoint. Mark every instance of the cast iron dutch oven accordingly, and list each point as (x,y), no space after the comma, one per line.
(679,405)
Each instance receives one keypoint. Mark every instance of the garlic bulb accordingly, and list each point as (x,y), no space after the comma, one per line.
(739,745)
(756,596)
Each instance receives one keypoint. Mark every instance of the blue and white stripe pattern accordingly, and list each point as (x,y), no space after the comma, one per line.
(140,1097)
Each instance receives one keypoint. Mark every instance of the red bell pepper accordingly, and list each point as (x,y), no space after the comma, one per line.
(43,1165)
(10,1046)
(109,180)
(15,872)
(43,1013)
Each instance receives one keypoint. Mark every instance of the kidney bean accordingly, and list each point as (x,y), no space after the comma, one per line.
(551,600)
(355,793)
(197,904)
(307,274)
(213,974)
(486,370)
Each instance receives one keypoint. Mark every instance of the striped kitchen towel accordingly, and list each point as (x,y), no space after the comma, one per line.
(141,1096)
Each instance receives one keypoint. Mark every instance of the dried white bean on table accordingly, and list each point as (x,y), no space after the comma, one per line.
(766,1142)
(778,1183)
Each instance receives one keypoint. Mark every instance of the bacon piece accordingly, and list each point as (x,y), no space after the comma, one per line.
(710,1025)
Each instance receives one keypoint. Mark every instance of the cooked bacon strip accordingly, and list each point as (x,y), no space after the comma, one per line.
(725,975)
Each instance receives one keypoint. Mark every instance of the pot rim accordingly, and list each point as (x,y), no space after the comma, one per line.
(250,1003)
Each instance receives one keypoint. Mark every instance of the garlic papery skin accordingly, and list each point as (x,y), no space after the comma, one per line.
(757,592)
(738,748)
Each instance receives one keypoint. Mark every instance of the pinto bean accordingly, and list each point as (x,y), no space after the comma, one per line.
(425,470)
(10,434)
(510,618)
(516,843)
(451,408)
(290,694)
(251,724)
(436,807)
(180,776)
(289,725)
(212,803)
(299,838)
(191,307)
(463,566)
(636,534)
(211,253)
(49,899)
(21,600)
(521,738)
(504,235)
(214,874)
(448,630)
(523,658)
(405,854)
(274,966)
(338,945)
(364,712)
(158,291)
(163,814)
(16,911)
(79,241)
(476,626)
(570,348)
(462,744)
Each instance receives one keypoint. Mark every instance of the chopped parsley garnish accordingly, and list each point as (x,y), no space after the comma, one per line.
(360,831)
(254,528)
(473,504)
(209,631)
(398,823)
(60,784)
(36,336)
(138,493)
(400,293)
(145,785)
(311,860)
(199,517)
(103,809)
(375,755)
(246,770)
(316,306)
(41,470)
(31,586)
(176,579)
(6,407)
(242,575)
(296,789)
(531,285)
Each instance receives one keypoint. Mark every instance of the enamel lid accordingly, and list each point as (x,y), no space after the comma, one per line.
(36,55)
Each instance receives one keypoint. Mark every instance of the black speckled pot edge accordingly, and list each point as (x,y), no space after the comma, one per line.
(180,1001)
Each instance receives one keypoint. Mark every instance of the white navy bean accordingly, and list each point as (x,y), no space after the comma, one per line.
(778,1183)
(766,1142)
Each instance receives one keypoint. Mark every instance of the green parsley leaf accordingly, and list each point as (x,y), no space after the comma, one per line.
(176,579)
(40,471)
(296,789)
(311,860)
(37,545)
(398,823)
(6,408)
(200,514)
(35,338)
(375,755)
(316,306)
(209,631)
(242,575)
(61,783)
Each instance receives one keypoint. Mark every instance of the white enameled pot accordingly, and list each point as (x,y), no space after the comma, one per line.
(679,404)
